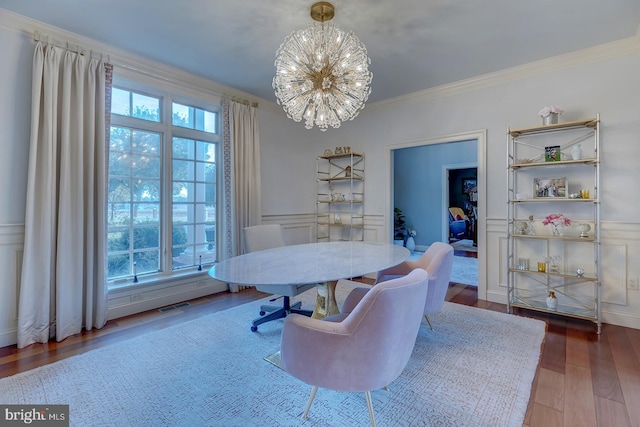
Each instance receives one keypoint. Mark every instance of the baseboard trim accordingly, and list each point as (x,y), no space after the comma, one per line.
(8,338)
(620,319)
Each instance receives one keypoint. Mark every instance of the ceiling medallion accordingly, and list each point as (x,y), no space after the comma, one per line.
(322,73)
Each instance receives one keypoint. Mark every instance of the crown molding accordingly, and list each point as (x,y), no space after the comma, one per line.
(620,48)
(129,64)
(136,64)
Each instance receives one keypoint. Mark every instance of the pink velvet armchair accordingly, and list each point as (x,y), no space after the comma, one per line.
(438,262)
(364,349)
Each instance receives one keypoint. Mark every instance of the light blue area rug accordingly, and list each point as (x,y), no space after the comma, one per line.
(465,269)
(475,369)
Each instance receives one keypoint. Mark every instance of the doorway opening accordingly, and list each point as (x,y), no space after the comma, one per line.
(461,193)
(419,187)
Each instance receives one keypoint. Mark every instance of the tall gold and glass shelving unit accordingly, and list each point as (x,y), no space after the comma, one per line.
(340,197)
(554,170)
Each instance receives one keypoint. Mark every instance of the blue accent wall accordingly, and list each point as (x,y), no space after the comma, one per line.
(418,184)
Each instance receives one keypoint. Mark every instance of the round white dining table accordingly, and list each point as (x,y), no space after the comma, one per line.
(324,263)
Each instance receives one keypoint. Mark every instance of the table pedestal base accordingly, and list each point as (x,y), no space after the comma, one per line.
(326,304)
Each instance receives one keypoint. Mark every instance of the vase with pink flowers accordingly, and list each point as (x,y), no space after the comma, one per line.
(556,221)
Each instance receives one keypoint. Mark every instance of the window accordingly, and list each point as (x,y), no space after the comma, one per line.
(194,201)
(162,194)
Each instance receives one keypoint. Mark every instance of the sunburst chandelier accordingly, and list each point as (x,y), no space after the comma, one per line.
(322,73)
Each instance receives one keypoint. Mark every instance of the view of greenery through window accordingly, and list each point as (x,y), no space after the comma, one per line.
(155,224)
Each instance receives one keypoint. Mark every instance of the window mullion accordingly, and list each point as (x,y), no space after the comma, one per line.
(167,178)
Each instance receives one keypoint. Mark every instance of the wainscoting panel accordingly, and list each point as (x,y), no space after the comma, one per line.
(19,256)
(503,263)
(496,262)
(297,229)
(613,272)
(11,252)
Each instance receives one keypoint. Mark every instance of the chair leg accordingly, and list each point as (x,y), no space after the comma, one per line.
(264,309)
(278,313)
(313,395)
(428,321)
(297,308)
(274,315)
(370,405)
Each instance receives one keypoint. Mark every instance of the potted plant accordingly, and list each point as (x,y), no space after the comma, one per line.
(399,226)
(550,114)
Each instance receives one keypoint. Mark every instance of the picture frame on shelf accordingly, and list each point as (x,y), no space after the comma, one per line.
(468,184)
(552,153)
(550,188)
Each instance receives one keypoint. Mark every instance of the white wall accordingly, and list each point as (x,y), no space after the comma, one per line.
(15,102)
(601,80)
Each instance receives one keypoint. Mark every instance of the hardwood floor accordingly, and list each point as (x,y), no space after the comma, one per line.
(582,379)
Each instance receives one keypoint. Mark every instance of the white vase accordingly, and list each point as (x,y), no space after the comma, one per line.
(411,244)
(552,303)
(576,152)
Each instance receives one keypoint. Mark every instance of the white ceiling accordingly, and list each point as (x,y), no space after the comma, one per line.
(413,44)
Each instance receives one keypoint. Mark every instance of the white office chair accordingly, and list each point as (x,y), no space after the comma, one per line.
(260,237)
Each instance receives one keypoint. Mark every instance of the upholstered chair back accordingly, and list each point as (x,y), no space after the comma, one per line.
(438,262)
(260,237)
(367,349)
(439,268)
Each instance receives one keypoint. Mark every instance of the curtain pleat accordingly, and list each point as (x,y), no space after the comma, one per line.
(244,195)
(63,286)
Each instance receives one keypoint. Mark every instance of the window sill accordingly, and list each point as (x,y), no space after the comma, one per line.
(128,298)
(156,280)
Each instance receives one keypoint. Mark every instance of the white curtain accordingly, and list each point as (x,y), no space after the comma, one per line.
(63,286)
(242,175)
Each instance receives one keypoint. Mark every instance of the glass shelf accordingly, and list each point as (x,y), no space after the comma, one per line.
(355,177)
(577,124)
(589,161)
(564,275)
(551,237)
(340,156)
(565,310)
(551,199)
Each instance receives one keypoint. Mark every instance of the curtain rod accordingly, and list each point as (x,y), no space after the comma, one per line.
(73,48)
(241,101)
(37,36)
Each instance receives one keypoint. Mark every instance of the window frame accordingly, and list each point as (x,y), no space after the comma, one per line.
(168,131)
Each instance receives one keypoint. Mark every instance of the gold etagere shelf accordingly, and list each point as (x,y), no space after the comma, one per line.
(565,290)
(340,196)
